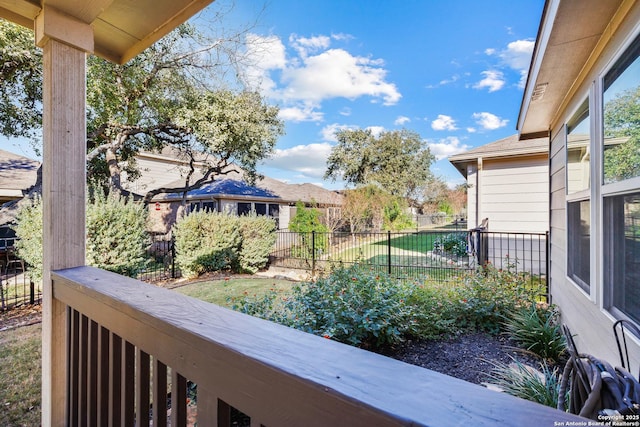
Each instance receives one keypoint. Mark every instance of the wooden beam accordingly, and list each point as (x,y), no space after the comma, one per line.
(51,24)
(64,135)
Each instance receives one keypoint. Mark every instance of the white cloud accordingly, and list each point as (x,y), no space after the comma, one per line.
(306,45)
(443,123)
(489,121)
(336,73)
(401,120)
(310,160)
(329,132)
(493,80)
(376,130)
(300,114)
(517,56)
(446,147)
(315,72)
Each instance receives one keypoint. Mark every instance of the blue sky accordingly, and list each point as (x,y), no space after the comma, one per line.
(452,71)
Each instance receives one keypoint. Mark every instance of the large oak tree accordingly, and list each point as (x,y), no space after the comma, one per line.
(169,95)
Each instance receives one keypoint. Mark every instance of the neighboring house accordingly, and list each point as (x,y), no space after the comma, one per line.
(508,183)
(227,193)
(582,95)
(17,174)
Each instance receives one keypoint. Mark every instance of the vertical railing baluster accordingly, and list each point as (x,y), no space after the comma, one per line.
(143,379)
(92,387)
(104,356)
(115,396)
(159,393)
(178,399)
(224,414)
(128,389)
(83,370)
(74,351)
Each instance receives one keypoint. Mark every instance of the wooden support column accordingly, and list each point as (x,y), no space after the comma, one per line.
(64,41)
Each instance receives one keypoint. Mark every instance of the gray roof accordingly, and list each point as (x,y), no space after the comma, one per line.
(17,173)
(264,188)
(507,147)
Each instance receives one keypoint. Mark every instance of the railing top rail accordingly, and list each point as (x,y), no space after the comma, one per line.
(293,377)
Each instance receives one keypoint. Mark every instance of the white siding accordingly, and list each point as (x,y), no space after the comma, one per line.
(472,207)
(155,173)
(514,194)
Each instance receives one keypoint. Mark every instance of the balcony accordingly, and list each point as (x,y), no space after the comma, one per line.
(123,334)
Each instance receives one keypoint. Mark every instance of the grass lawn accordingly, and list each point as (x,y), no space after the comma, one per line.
(221,291)
(20,376)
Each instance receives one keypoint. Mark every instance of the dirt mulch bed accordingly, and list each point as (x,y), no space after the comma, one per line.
(470,357)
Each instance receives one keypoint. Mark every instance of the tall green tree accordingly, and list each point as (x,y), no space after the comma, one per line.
(168,96)
(397,161)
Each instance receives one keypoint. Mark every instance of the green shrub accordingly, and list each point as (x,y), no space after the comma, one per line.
(116,234)
(490,295)
(28,230)
(396,216)
(305,222)
(351,305)
(207,241)
(536,328)
(258,237)
(527,383)
(452,243)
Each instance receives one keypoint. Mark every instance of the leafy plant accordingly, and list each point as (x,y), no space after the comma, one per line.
(352,305)
(527,383)
(212,241)
(116,234)
(536,328)
(452,243)
(305,222)
(490,295)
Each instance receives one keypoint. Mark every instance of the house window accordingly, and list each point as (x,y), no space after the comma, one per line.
(622,253)
(209,206)
(578,181)
(621,112)
(274,210)
(579,238)
(244,208)
(578,149)
(621,184)
(261,208)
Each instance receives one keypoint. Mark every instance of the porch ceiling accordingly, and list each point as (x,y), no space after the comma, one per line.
(569,32)
(121,28)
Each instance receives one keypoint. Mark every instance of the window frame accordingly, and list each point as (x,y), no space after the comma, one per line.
(607,192)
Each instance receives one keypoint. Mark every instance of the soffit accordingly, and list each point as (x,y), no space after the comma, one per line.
(121,28)
(568,34)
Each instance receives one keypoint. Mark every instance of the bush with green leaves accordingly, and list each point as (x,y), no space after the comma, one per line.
(28,230)
(536,328)
(215,241)
(305,222)
(116,234)
(207,241)
(452,243)
(490,295)
(396,216)
(352,304)
(258,237)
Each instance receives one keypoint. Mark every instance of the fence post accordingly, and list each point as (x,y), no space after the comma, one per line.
(172,244)
(313,252)
(389,250)
(546,266)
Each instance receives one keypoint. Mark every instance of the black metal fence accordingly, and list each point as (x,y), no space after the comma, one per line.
(439,255)
(16,286)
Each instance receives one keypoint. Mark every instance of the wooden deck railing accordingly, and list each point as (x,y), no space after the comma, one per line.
(130,344)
